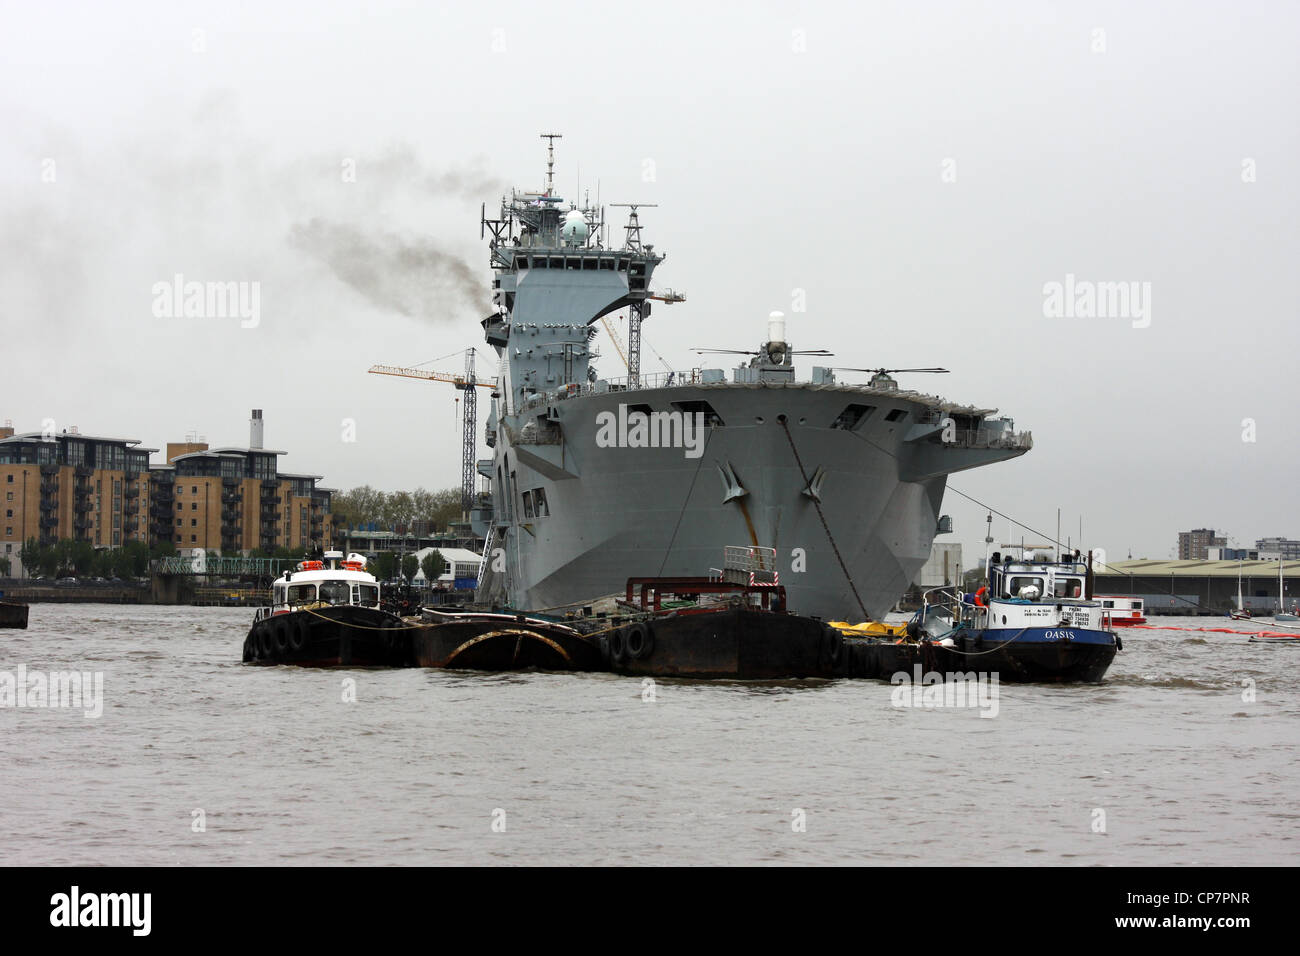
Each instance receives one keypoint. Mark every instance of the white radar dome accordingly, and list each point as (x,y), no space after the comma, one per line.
(575,226)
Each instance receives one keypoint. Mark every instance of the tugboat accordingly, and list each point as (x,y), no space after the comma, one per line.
(1033,620)
(327,614)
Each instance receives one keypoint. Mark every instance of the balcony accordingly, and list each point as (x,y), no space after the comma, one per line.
(130,525)
(83,506)
(82,524)
(49,505)
(132,507)
(50,486)
(83,471)
(49,521)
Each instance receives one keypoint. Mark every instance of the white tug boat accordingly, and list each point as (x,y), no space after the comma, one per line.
(327,613)
(1034,619)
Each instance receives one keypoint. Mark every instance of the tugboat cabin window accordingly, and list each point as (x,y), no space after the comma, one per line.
(335,592)
(365,595)
(302,593)
(1067,588)
(1107,603)
(1013,589)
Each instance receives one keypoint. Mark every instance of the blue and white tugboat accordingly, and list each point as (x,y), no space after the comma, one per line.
(1034,619)
(327,614)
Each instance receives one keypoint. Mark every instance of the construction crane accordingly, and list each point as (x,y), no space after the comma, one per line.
(632,357)
(466,383)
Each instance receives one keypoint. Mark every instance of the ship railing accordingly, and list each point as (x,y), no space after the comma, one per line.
(948,599)
(986,438)
(747,565)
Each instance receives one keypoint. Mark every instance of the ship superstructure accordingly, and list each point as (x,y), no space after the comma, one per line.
(595,480)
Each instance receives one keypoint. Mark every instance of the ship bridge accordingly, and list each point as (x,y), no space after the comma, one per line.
(554,274)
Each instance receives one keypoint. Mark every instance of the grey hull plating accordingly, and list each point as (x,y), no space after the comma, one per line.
(618,512)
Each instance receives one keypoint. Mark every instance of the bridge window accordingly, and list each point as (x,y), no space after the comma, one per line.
(622,265)
(528,504)
(1067,588)
(589,263)
(539,501)
(896,415)
(573,265)
(557,262)
(334,592)
(302,594)
(539,262)
(1018,583)
(607,264)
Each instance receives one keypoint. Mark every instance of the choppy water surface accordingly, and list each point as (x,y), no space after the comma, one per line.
(581,769)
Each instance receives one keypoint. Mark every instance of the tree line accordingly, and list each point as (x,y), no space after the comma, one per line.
(391,509)
(68,557)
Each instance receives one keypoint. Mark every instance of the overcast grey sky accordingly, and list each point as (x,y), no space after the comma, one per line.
(920,170)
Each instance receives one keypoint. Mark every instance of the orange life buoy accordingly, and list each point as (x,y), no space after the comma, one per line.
(979,596)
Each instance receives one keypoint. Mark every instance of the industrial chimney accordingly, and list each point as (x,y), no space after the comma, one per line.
(255,429)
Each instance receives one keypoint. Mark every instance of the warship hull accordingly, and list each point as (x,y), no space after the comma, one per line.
(780,466)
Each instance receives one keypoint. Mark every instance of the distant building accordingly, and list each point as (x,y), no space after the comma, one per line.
(1232,554)
(462,566)
(69,485)
(106,491)
(1202,587)
(1194,545)
(943,567)
(1274,548)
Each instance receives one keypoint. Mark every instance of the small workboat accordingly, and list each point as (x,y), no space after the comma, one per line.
(1125,610)
(326,613)
(12,615)
(1034,620)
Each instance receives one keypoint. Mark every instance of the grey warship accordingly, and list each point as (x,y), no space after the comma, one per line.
(594,480)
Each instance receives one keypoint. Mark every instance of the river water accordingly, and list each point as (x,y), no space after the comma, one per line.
(1187,754)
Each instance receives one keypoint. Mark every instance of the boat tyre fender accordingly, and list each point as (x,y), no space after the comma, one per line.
(617,647)
(298,635)
(1119,643)
(640,641)
(282,636)
(264,642)
(250,649)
